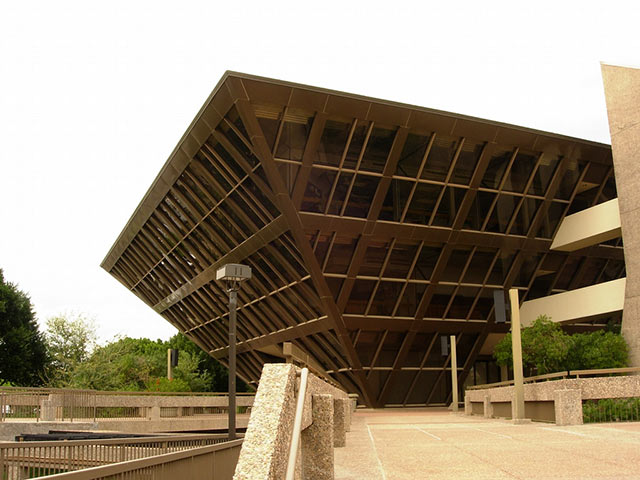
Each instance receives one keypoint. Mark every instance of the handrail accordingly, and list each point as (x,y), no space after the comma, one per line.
(565,374)
(105,471)
(534,378)
(297,424)
(605,371)
(47,390)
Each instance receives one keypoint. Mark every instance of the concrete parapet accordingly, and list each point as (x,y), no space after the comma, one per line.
(340,407)
(317,440)
(568,407)
(265,449)
(468,410)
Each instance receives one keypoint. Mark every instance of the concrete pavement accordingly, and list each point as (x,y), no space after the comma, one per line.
(437,444)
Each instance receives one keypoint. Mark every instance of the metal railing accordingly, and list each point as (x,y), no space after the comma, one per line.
(611,410)
(36,459)
(533,379)
(214,461)
(297,425)
(56,404)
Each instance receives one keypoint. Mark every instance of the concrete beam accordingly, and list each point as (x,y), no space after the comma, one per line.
(588,227)
(576,305)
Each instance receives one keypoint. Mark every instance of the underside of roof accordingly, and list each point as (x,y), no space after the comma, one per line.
(372,229)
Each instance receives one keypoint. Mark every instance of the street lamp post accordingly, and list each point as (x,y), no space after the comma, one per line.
(233,275)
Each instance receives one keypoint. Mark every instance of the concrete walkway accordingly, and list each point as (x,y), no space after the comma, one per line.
(436,444)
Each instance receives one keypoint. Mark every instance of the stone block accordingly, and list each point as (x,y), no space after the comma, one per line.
(340,406)
(468,409)
(317,440)
(488,407)
(568,407)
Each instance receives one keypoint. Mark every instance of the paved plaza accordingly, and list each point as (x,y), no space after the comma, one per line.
(437,444)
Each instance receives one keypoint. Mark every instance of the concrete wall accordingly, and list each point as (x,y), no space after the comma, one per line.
(622,93)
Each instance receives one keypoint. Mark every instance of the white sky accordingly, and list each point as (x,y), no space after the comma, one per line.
(95,95)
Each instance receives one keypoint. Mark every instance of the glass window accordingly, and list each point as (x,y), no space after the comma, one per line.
(496,168)
(293,139)
(322,246)
(378,147)
(335,284)
(479,266)
(570,179)
(466,162)
(423,203)
(355,146)
(551,220)
(544,174)
(269,128)
(374,258)
(396,199)
(359,297)
(439,302)
(439,159)
(455,265)
(501,268)
(502,213)
(341,254)
(525,216)
(411,299)
(479,210)
(288,172)
(568,273)
(462,302)
(483,305)
(427,260)
(412,153)
(527,270)
(448,208)
(317,191)
(340,193)
(401,259)
(364,188)
(385,298)
(521,169)
(333,142)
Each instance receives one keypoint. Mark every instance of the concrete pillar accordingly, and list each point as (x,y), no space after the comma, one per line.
(518,378)
(454,374)
(340,406)
(354,399)
(347,415)
(488,407)
(622,94)
(568,407)
(317,440)
(468,409)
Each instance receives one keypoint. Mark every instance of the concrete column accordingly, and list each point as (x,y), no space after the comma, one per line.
(347,415)
(340,406)
(47,411)
(488,407)
(354,399)
(568,407)
(518,378)
(317,440)
(468,409)
(454,374)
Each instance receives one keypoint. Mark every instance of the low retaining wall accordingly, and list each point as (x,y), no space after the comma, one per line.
(558,401)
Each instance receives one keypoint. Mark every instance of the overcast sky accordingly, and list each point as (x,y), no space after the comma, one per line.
(95,95)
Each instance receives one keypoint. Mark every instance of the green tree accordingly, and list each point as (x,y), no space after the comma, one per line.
(70,338)
(23,353)
(598,349)
(546,348)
